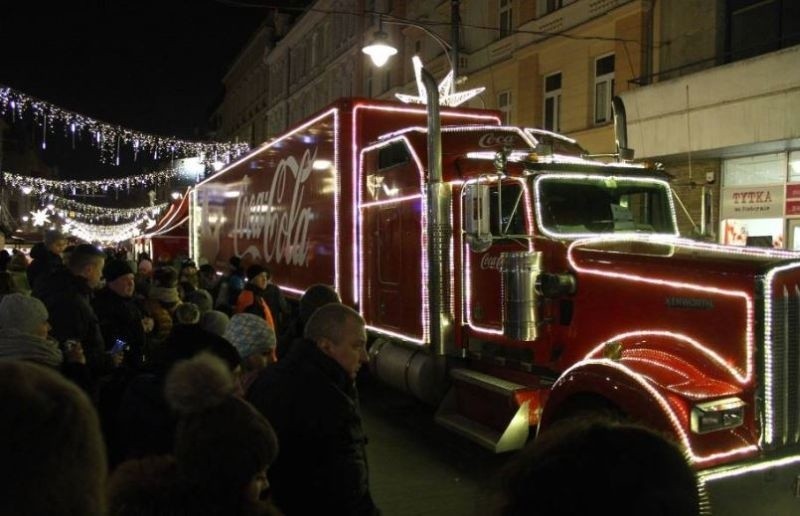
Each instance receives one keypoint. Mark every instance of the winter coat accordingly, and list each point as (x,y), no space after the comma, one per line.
(68,300)
(121,318)
(313,407)
(253,300)
(44,263)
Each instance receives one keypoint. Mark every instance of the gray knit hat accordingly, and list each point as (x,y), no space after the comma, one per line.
(22,313)
(215,321)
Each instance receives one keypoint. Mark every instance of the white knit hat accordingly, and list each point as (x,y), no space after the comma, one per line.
(22,313)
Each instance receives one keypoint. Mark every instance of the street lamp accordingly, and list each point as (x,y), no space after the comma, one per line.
(381,49)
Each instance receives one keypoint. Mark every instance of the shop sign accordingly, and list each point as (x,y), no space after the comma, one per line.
(792,200)
(752,202)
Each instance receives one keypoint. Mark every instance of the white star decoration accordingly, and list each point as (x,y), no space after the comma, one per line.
(447,91)
(40,217)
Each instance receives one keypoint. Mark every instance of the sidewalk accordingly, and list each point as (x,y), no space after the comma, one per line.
(420,469)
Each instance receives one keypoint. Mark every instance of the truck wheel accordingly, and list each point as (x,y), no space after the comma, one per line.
(588,406)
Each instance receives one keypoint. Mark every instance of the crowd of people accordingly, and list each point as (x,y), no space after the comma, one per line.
(142,388)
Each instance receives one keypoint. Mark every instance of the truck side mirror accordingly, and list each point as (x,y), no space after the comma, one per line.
(476,217)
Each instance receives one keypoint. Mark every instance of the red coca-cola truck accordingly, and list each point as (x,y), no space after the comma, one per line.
(523,282)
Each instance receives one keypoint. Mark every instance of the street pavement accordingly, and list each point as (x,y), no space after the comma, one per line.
(420,469)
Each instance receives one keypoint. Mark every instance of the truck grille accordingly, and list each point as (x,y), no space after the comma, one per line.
(784,363)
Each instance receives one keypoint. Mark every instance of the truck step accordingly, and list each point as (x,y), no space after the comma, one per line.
(485,381)
(514,438)
(502,426)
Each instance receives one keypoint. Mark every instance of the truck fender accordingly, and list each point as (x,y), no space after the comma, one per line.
(634,372)
(606,388)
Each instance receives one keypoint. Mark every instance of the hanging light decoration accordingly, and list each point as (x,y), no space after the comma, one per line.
(105,234)
(40,185)
(64,207)
(108,138)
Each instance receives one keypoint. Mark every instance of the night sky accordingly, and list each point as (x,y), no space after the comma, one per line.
(152,66)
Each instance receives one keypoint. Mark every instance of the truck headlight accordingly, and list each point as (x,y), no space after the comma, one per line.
(711,416)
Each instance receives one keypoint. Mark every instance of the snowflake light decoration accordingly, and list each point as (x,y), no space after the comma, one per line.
(40,217)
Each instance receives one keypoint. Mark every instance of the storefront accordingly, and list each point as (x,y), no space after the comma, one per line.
(760,201)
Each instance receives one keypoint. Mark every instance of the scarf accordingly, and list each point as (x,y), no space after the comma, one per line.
(23,346)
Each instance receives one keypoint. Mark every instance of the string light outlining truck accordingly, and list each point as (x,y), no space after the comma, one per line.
(514,281)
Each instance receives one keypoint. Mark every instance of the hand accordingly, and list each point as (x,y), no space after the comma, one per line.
(73,353)
(148,324)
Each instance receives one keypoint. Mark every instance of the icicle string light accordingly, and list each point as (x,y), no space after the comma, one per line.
(68,208)
(30,184)
(107,137)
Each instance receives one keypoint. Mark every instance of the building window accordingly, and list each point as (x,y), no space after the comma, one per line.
(504,105)
(504,16)
(603,88)
(548,6)
(759,26)
(313,50)
(552,102)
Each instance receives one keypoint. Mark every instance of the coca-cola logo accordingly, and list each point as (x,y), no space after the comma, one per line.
(278,213)
(493,140)
(490,262)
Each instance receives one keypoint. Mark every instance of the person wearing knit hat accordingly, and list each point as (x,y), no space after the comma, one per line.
(253,299)
(222,449)
(215,321)
(53,456)
(119,314)
(23,313)
(187,313)
(23,331)
(314,297)
(116,268)
(201,298)
(255,342)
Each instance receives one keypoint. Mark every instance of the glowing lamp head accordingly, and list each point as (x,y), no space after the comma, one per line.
(380,50)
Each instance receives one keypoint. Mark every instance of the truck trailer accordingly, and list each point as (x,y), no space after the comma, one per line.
(525,282)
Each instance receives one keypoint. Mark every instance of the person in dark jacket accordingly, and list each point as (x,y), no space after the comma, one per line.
(253,299)
(119,315)
(312,402)
(144,422)
(67,294)
(314,297)
(47,256)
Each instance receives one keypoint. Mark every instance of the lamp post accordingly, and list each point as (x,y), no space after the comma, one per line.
(438,196)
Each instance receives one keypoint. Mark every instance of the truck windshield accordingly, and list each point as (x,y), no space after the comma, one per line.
(601,204)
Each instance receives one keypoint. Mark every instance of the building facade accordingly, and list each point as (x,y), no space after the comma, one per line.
(720,109)
(545,63)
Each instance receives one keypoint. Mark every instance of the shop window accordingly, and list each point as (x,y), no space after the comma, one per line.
(794,167)
(765,169)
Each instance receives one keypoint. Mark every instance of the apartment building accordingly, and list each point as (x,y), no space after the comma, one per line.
(720,109)
(545,63)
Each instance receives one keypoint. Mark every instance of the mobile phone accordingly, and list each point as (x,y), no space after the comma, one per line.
(119,346)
